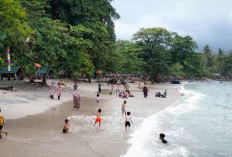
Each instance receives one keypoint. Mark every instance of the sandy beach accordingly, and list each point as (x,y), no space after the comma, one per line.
(34,122)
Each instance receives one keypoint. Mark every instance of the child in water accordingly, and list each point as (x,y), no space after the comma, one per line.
(128,121)
(124,108)
(66,126)
(98,117)
(162,138)
(98,98)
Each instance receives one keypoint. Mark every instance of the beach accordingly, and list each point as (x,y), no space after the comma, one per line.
(35,123)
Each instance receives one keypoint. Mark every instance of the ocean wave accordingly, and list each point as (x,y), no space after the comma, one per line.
(145,142)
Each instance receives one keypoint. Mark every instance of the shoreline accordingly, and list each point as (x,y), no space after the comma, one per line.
(44,129)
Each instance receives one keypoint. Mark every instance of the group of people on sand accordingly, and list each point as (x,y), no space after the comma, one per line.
(158,94)
(76,102)
(126,114)
(55,90)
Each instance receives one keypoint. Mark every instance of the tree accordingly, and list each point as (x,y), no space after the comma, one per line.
(182,48)
(13,27)
(226,68)
(155,43)
(220,60)
(129,60)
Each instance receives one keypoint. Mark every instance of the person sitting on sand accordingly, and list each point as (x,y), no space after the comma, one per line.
(98,117)
(162,138)
(2,123)
(124,108)
(128,121)
(66,126)
(158,94)
(165,93)
(122,95)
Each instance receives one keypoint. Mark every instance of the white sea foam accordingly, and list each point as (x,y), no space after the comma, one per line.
(145,142)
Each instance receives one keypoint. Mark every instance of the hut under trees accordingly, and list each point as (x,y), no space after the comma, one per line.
(16,72)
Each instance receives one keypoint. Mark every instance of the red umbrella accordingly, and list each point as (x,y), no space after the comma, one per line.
(99,72)
(37,65)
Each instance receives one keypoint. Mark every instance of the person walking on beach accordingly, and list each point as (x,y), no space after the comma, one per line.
(99,87)
(66,126)
(124,108)
(58,90)
(2,123)
(52,90)
(128,121)
(75,85)
(98,117)
(145,91)
(76,99)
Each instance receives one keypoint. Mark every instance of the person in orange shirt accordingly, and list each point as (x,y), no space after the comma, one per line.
(2,123)
(98,117)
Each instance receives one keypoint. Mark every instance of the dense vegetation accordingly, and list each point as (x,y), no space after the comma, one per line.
(78,36)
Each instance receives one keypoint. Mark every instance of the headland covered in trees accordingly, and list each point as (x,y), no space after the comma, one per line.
(78,37)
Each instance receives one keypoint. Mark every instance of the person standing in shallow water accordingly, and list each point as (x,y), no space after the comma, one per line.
(58,90)
(66,126)
(76,99)
(128,121)
(124,108)
(98,117)
(52,90)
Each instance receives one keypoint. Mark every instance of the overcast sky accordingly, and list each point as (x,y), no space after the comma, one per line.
(207,21)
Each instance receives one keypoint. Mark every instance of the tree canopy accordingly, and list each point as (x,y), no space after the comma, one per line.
(78,36)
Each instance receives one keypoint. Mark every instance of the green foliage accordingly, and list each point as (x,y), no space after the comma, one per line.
(155,43)
(128,57)
(78,36)
(177,70)
(1,62)
(226,66)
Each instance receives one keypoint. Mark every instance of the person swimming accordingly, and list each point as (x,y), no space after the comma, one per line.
(66,126)
(162,138)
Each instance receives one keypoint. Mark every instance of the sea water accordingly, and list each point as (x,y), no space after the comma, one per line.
(200,125)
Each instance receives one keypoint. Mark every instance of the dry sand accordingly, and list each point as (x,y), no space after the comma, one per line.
(40,135)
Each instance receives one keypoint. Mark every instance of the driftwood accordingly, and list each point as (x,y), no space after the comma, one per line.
(6,88)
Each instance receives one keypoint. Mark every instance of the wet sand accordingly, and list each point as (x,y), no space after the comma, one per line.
(40,135)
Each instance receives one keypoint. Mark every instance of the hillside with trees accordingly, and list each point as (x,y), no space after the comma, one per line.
(78,36)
